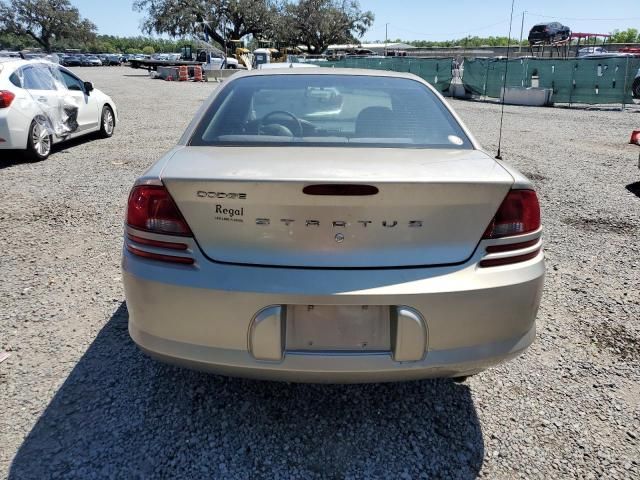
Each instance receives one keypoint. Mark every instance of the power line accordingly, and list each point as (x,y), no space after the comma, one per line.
(441,34)
(583,19)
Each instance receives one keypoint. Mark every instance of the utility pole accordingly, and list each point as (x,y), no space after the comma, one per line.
(521,32)
(386,37)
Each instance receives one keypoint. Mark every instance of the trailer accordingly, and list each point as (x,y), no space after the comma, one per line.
(152,65)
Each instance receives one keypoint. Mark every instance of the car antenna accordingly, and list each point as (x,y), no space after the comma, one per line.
(504,84)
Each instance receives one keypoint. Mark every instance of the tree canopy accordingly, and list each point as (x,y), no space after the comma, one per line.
(220,20)
(314,23)
(320,23)
(44,21)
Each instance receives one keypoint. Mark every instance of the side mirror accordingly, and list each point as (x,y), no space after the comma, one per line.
(88,87)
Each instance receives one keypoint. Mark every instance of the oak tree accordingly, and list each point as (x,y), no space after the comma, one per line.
(45,21)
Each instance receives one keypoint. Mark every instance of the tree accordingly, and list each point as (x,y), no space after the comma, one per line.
(148,50)
(221,20)
(320,23)
(630,35)
(45,21)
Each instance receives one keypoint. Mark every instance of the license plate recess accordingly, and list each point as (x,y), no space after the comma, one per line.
(339,328)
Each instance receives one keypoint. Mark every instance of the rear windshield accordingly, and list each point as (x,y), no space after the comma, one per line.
(329,110)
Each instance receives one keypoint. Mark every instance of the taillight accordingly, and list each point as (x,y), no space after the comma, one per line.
(160,257)
(152,209)
(6,97)
(635,137)
(518,214)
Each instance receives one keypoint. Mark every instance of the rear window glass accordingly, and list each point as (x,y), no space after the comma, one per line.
(329,110)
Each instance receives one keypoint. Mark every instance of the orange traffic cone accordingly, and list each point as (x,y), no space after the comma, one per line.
(197,73)
(183,73)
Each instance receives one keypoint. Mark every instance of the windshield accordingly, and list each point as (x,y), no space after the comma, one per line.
(326,110)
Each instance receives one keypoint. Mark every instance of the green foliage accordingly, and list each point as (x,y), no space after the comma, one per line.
(101,44)
(148,50)
(220,20)
(320,23)
(467,42)
(630,35)
(44,21)
(314,23)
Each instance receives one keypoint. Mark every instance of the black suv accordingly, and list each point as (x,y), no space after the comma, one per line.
(549,32)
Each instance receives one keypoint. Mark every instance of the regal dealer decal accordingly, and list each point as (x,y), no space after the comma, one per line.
(229,214)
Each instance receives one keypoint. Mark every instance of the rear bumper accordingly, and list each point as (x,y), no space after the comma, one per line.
(14,129)
(201,317)
(314,368)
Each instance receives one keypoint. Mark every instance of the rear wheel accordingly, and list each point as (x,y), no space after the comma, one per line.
(39,142)
(107,122)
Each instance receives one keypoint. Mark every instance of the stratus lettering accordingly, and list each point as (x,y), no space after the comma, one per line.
(344,224)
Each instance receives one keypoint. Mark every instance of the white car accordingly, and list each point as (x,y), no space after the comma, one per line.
(42,103)
(592,51)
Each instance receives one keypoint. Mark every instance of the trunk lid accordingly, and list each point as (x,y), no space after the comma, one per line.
(246,205)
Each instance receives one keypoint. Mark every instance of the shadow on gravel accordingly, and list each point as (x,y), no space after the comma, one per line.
(122,415)
(9,159)
(634,188)
(75,142)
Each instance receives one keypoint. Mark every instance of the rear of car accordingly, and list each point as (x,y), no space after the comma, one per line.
(16,110)
(333,226)
(549,32)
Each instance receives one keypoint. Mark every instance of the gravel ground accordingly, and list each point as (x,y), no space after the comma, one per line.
(78,400)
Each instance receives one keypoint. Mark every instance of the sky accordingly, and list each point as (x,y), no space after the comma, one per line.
(429,19)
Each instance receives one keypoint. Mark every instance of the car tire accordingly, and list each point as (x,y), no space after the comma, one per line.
(107,122)
(635,88)
(39,142)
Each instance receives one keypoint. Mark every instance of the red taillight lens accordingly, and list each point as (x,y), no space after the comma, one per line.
(6,97)
(156,243)
(152,209)
(160,257)
(497,262)
(518,214)
(635,137)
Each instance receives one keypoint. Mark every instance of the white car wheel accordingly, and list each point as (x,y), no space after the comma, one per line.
(108,122)
(39,141)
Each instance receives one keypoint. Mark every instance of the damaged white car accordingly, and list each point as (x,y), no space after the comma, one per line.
(42,103)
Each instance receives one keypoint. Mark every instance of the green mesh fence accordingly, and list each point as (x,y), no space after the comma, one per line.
(436,71)
(584,80)
(577,80)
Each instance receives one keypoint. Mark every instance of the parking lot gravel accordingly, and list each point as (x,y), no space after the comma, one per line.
(79,400)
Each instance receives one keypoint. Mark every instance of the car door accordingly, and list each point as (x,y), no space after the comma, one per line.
(41,87)
(88,108)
